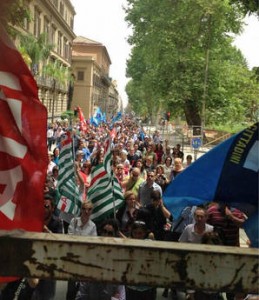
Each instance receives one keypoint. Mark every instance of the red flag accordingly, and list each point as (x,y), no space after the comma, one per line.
(23,151)
(83,126)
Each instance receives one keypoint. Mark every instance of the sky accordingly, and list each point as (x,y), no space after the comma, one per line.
(103,21)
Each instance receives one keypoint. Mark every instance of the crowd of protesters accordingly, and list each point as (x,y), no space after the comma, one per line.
(144,165)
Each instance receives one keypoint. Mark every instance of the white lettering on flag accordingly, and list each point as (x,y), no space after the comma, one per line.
(10,80)
(16,109)
(251,161)
(12,147)
(10,180)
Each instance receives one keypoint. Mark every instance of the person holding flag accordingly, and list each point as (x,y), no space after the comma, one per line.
(70,183)
(105,191)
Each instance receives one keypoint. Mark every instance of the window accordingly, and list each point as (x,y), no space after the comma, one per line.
(46,29)
(59,50)
(52,35)
(25,24)
(80,75)
(37,23)
(61,9)
(55,2)
(72,22)
(66,49)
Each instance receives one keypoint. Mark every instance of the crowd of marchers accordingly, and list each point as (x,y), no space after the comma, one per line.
(144,165)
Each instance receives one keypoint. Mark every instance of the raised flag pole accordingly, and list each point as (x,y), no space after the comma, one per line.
(113,198)
(76,174)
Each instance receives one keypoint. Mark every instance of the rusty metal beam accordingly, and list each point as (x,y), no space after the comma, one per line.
(128,261)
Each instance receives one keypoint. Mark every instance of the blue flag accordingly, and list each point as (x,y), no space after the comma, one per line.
(117,117)
(97,118)
(98,115)
(228,173)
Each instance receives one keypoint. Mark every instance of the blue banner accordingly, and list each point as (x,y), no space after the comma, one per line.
(228,173)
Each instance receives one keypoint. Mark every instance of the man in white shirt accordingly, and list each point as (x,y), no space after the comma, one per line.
(193,233)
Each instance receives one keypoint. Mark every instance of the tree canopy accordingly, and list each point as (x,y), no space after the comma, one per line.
(183,60)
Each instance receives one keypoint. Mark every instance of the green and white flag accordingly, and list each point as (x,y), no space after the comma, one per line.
(70,200)
(105,191)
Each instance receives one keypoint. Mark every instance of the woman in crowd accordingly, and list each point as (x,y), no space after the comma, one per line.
(168,167)
(55,176)
(56,155)
(85,172)
(140,165)
(127,213)
(161,178)
(159,151)
(120,174)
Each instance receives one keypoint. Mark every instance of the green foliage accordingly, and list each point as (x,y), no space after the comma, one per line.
(248,6)
(37,48)
(183,60)
(228,128)
(13,12)
(68,114)
(56,71)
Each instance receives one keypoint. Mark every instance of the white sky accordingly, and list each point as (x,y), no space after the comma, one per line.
(103,21)
(248,41)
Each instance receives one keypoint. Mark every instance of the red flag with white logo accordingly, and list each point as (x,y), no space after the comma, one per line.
(83,125)
(23,151)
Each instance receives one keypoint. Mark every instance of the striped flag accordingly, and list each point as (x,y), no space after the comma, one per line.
(105,191)
(70,200)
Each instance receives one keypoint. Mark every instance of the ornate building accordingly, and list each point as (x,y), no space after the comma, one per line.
(87,83)
(55,18)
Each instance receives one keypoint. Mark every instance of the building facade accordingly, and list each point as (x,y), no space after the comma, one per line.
(85,63)
(92,86)
(55,18)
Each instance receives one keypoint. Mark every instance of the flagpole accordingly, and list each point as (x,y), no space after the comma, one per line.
(112,179)
(75,176)
(113,200)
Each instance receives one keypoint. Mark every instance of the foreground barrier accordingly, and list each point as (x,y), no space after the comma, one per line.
(162,264)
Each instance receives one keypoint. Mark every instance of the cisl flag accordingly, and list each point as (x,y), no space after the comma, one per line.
(23,152)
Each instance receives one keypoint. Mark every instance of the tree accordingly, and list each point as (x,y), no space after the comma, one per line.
(14,12)
(178,50)
(248,6)
(37,48)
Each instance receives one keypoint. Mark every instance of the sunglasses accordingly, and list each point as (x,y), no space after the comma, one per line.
(108,232)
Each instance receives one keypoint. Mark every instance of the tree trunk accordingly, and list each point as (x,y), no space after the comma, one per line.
(192,113)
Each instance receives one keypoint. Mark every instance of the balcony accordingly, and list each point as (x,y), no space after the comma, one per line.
(48,83)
